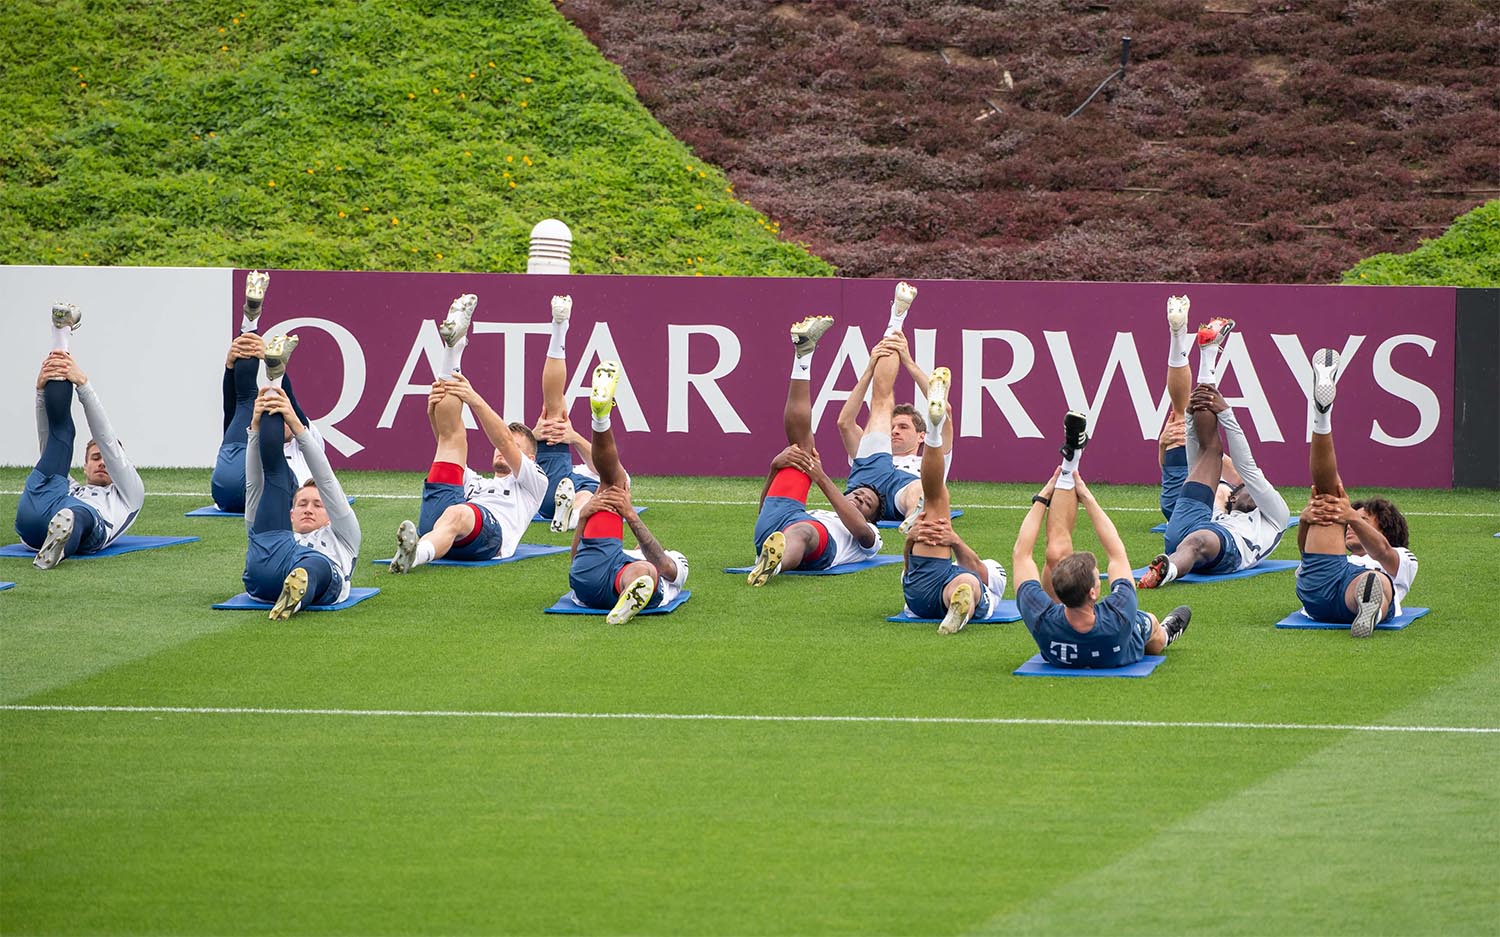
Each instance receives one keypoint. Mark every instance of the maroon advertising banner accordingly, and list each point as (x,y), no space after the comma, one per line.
(706,362)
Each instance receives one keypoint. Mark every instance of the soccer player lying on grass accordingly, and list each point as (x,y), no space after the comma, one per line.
(603,573)
(787,535)
(1201,537)
(883,454)
(933,585)
(241,387)
(569,486)
(1078,630)
(57,516)
(303,538)
(466,516)
(1366,586)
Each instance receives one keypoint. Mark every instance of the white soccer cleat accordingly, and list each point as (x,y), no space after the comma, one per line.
(279,350)
(455,328)
(997,577)
(1325,368)
(768,563)
(59,529)
(602,394)
(960,610)
(632,600)
(562,308)
(256,283)
(905,293)
(1177,313)
(562,505)
(805,334)
(910,520)
(293,591)
(406,548)
(937,394)
(66,316)
(1369,595)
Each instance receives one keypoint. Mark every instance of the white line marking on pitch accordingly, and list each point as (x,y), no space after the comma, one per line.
(731,717)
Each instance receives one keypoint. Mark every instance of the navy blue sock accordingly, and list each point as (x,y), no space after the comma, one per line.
(84,522)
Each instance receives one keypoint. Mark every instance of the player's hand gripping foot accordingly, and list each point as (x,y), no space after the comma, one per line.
(455,328)
(66,316)
(631,601)
(602,395)
(905,293)
(406,548)
(1215,333)
(960,610)
(1325,368)
(1075,434)
(293,590)
(1177,313)
(562,308)
(562,505)
(1367,612)
(768,563)
(805,334)
(1176,623)
(279,350)
(59,529)
(256,282)
(1159,573)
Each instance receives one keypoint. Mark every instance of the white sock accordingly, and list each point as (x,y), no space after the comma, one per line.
(60,338)
(1172,573)
(559,339)
(935,427)
(1208,360)
(802,368)
(1322,421)
(248,324)
(1182,344)
(426,552)
(453,356)
(601,424)
(274,382)
(1065,480)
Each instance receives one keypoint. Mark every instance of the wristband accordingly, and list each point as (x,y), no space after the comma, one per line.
(1044,502)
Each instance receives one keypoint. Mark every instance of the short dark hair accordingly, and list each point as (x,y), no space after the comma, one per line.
(310,483)
(911,411)
(526,432)
(1074,577)
(879,501)
(1388,518)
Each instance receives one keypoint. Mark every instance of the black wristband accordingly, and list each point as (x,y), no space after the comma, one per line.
(1044,502)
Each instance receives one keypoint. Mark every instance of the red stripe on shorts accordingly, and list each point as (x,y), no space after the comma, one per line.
(478,525)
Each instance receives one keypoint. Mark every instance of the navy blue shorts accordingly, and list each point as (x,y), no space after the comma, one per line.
(43,496)
(483,544)
(1322,579)
(272,554)
(595,567)
(556,459)
(778,513)
(1174,472)
(925,579)
(879,472)
(1194,511)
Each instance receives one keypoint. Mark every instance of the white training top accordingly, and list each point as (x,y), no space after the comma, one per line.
(846,548)
(1406,571)
(118,503)
(670,588)
(294,458)
(339,539)
(513,499)
(871,443)
(1256,533)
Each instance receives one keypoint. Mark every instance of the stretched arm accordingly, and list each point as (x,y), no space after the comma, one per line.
(340,514)
(41,422)
(494,425)
(1104,529)
(849,515)
(1376,546)
(126,479)
(652,550)
(1022,563)
(968,559)
(1267,498)
(849,429)
(583,446)
(255,476)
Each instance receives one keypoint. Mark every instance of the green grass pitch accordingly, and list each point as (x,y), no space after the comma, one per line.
(463,785)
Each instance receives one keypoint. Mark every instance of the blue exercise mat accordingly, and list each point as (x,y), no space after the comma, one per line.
(1038,667)
(1299,620)
(568,605)
(1264,566)
(883,559)
(891,525)
(213,511)
(539,519)
(1162,527)
(244,603)
(524,551)
(6,585)
(125,544)
(1005,610)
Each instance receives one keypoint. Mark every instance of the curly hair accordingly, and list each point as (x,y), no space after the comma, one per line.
(1388,518)
(879,501)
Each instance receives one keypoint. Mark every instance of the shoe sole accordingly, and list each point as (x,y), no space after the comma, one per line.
(455,326)
(568,310)
(279,350)
(937,394)
(1370,596)
(406,547)
(602,392)
(59,529)
(805,334)
(1325,365)
(66,316)
(910,520)
(1221,339)
(906,294)
(293,590)
(960,608)
(562,506)
(771,552)
(631,601)
(1156,573)
(1177,313)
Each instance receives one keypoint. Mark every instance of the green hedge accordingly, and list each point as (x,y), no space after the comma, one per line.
(392,134)
(1468,254)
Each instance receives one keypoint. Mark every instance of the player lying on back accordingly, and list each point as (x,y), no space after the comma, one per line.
(569,484)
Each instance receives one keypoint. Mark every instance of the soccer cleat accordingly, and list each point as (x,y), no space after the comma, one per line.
(1215,333)
(406,548)
(1325,368)
(255,293)
(937,394)
(59,529)
(455,328)
(293,591)
(960,610)
(905,293)
(562,505)
(805,334)
(1176,623)
(1177,313)
(769,561)
(279,350)
(602,396)
(562,308)
(910,520)
(1075,434)
(66,316)
(1369,594)
(1159,573)
(632,600)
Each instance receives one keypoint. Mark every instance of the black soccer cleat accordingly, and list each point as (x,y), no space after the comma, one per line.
(1075,433)
(1176,622)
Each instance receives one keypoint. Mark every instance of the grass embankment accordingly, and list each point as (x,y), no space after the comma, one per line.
(1467,254)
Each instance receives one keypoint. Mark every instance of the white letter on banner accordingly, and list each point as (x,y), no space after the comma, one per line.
(602,345)
(1402,387)
(679,378)
(852,350)
(428,344)
(1022,358)
(1298,361)
(513,365)
(1252,394)
(925,354)
(354,379)
(1124,356)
